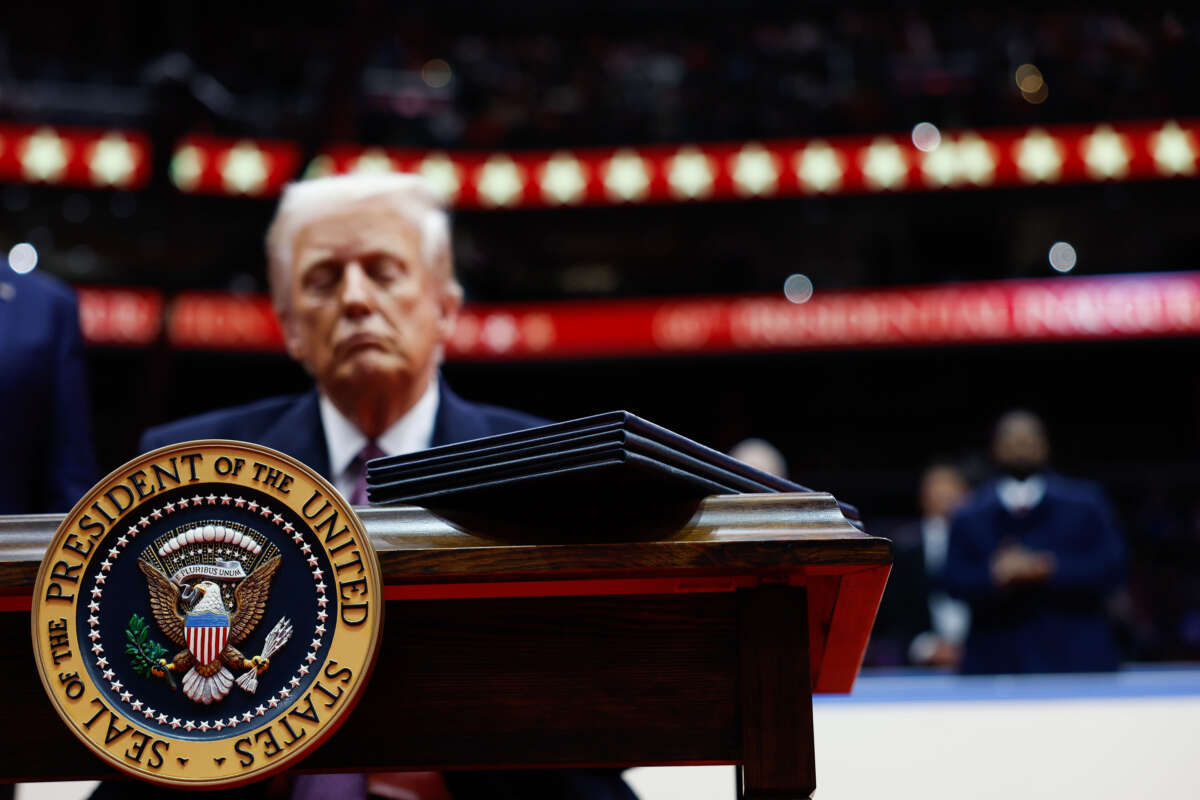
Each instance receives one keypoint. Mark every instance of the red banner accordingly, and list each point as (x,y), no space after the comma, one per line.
(215,321)
(1052,309)
(120,317)
(1007,311)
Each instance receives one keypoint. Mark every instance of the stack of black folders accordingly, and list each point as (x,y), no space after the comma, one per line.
(588,472)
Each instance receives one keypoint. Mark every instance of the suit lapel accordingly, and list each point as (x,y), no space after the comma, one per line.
(299,433)
(455,420)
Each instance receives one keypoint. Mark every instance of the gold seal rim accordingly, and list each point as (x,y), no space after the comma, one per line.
(286,759)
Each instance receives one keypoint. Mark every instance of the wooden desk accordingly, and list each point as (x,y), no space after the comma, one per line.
(694,642)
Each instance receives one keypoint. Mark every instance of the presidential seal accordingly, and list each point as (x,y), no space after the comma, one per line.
(207,614)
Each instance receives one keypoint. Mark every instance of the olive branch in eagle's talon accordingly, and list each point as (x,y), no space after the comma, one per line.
(145,654)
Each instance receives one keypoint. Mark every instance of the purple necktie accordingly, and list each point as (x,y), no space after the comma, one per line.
(359,467)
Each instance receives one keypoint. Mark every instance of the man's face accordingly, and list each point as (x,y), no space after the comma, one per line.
(1020,446)
(942,491)
(367,313)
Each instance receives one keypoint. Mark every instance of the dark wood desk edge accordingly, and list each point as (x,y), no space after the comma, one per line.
(726,535)
(775,538)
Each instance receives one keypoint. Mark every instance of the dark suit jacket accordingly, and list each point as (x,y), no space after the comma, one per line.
(45,427)
(292,425)
(1060,626)
(904,610)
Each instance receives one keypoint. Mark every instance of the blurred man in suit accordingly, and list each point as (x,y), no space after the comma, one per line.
(362,279)
(917,617)
(48,460)
(1035,555)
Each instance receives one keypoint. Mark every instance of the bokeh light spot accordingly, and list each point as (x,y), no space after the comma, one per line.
(926,137)
(23,257)
(1032,84)
(1029,78)
(798,288)
(1062,256)
(436,73)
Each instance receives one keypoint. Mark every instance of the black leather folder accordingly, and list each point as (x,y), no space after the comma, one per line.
(564,434)
(565,463)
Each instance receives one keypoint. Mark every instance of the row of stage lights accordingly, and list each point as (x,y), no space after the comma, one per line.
(930,159)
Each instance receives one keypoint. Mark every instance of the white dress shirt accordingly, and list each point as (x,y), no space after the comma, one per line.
(951,618)
(343,441)
(1020,496)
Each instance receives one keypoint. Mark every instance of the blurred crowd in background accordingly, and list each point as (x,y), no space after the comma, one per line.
(539,75)
(864,423)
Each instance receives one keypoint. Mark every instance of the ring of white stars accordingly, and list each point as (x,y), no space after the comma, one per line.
(131,533)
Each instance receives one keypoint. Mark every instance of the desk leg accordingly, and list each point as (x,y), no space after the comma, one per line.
(775,694)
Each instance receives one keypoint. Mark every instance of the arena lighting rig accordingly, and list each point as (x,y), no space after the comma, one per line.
(885,162)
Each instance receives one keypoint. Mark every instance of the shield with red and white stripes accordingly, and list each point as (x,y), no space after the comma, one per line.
(206,635)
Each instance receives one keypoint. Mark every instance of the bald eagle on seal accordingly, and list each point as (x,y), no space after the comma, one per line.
(188,615)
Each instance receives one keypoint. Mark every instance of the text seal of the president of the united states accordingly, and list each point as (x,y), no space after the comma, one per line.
(207,614)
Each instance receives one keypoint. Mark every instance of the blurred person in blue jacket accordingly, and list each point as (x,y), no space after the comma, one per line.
(45,431)
(1035,555)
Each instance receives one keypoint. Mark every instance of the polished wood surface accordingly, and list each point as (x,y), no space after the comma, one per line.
(776,703)
(497,682)
(535,647)
(723,534)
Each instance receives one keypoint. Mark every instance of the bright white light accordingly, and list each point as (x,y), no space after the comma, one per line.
(798,288)
(819,167)
(22,258)
(500,181)
(1062,256)
(926,137)
(884,164)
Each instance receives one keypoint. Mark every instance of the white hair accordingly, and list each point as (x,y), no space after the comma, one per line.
(761,454)
(305,202)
